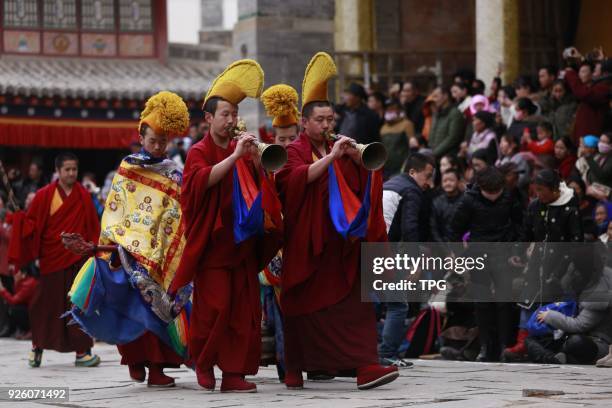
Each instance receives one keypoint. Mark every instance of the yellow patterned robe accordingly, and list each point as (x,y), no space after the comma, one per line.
(143,215)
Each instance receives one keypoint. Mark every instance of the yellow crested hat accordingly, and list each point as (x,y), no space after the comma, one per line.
(241,79)
(281,102)
(166,113)
(320,69)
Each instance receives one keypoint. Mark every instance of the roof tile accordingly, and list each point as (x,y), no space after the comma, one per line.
(87,78)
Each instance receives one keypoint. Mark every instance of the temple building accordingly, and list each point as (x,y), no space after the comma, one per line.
(75,74)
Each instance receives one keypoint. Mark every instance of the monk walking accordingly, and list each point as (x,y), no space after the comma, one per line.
(226,243)
(327,327)
(63,205)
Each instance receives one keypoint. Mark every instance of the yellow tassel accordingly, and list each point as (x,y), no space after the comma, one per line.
(167,113)
(280,100)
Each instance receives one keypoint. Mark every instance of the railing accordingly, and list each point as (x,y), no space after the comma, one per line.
(382,68)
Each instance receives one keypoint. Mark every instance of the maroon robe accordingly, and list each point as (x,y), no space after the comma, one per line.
(225,325)
(326,325)
(37,235)
(149,349)
(593,102)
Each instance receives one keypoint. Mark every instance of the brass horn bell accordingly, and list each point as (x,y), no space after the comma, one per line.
(272,156)
(373,155)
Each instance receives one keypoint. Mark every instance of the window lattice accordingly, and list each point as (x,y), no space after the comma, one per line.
(60,14)
(98,15)
(135,15)
(20,13)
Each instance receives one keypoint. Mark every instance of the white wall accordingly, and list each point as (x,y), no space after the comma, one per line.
(183,21)
(230,13)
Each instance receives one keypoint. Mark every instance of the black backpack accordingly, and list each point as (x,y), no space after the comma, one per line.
(423,333)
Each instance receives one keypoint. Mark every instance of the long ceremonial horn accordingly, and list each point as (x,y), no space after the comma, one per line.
(272,156)
(373,155)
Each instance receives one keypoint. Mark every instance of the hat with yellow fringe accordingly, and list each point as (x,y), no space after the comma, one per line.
(241,79)
(166,113)
(320,69)
(280,102)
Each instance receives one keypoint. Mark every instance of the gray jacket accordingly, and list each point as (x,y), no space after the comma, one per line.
(594,311)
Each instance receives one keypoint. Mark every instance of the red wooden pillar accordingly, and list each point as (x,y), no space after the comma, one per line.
(161,29)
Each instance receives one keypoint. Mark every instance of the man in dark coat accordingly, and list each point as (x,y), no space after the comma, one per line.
(406,209)
(412,102)
(356,119)
(489,212)
(406,204)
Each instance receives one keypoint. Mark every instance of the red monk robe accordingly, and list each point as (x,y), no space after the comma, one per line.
(147,350)
(36,235)
(225,326)
(326,325)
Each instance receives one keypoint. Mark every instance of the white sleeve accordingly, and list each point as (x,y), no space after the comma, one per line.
(390,202)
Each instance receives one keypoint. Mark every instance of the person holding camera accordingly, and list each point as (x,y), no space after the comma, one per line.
(89,182)
(593,97)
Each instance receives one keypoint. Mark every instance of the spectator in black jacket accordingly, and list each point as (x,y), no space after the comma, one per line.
(406,206)
(480,160)
(487,210)
(413,102)
(356,120)
(552,217)
(511,172)
(555,201)
(490,214)
(444,206)
(406,211)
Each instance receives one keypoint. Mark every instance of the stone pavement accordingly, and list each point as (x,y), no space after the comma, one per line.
(430,384)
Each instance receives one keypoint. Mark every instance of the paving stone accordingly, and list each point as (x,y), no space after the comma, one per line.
(431,383)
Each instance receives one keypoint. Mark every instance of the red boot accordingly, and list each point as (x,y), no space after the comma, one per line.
(206,379)
(137,372)
(157,378)
(373,376)
(294,380)
(518,352)
(236,383)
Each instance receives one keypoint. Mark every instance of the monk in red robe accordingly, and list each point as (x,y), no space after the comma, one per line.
(327,327)
(63,205)
(225,325)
